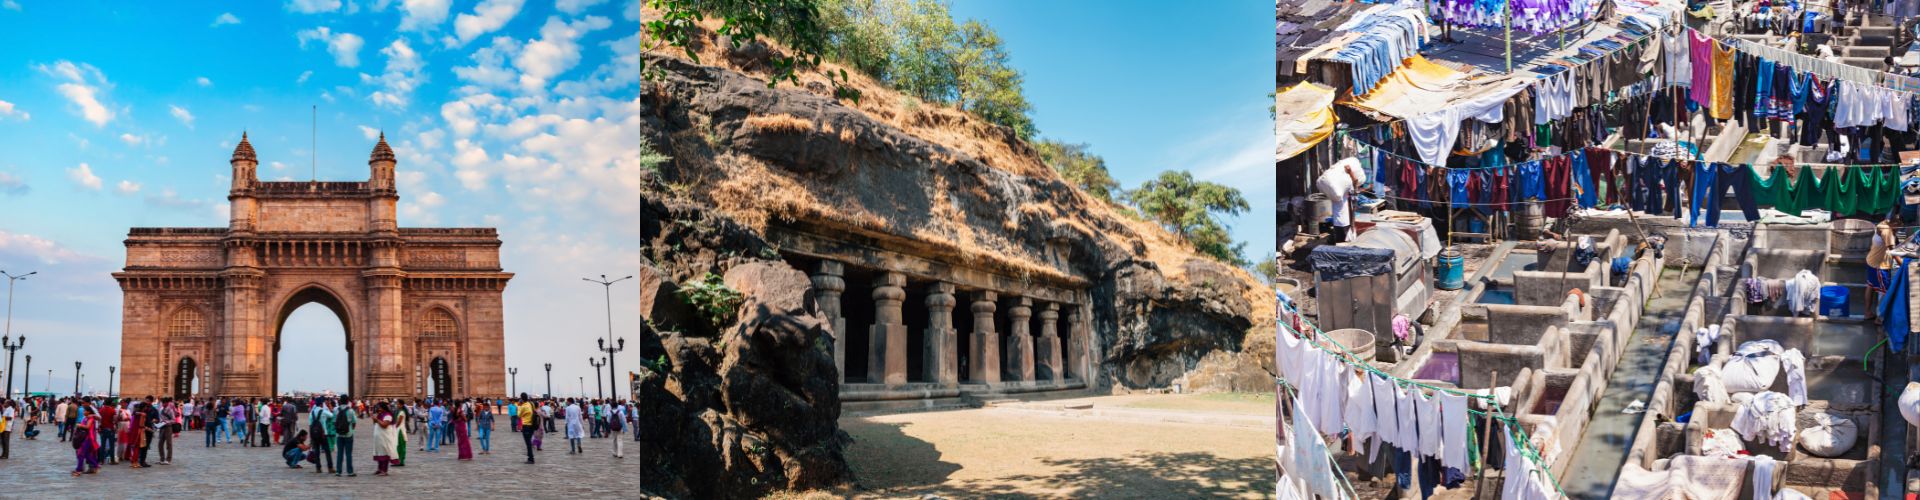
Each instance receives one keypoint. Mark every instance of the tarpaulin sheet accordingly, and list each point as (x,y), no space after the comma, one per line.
(1335,263)
(1304,114)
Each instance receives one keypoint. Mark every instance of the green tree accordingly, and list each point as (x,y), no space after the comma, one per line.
(795,23)
(1191,209)
(1083,169)
(989,87)
(1268,269)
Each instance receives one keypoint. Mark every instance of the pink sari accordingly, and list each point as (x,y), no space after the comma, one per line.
(460,435)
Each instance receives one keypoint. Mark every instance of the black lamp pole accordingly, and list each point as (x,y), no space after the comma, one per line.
(597,391)
(76,378)
(110,370)
(515,373)
(4,343)
(606,287)
(549,381)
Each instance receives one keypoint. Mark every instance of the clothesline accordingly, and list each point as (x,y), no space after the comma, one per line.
(1391,153)
(1337,472)
(1345,356)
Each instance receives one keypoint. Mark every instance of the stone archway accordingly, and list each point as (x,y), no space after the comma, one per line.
(313,293)
(288,244)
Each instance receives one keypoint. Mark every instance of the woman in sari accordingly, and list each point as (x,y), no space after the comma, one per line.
(386,438)
(85,443)
(461,414)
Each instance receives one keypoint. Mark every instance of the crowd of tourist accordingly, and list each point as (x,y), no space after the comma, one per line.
(310,431)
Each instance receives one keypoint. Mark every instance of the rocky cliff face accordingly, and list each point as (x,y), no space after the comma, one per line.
(910,176)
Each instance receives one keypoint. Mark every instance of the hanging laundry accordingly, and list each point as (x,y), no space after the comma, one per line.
(1427,413)
(1456,431)
(1531,16)
(1679,67)
(1388,37)
(1386,426)
(1359,409)
(1789,196)
(1762,476)
(1722,97)
(1406,400)
(1311,456)
(1703,186)
(1735,177)
(1524,480)
(1893,309)
(1803,293)
(1701,50)
(1433,134)
(1584,189)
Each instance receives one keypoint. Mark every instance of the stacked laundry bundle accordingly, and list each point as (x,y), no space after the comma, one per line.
(1387,35)
(1767,418)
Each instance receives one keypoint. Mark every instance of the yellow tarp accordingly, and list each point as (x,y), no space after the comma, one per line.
(1418,87)
(1304,115)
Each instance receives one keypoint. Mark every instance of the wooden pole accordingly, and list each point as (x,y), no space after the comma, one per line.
(1508,11)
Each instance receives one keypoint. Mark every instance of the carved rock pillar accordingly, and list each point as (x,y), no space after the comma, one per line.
(887,352)
(1046,351)
(1076,344)
(986,344)
(942,357)
(1020,342)
(828,284)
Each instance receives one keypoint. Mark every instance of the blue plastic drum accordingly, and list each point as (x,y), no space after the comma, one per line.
(1833,301)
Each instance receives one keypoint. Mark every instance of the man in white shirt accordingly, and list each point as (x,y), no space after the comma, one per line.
(61,424)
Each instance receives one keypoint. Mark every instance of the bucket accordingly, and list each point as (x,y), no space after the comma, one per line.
(1449,270)
(1833,301)
(1318,211)
(1850,237)
(1360,342)
(1533,220)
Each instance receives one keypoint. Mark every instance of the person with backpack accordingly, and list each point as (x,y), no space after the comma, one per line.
(343,426)
(320,423)
(616,423)
(86,442)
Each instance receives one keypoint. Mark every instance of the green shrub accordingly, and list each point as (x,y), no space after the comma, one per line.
(710,296)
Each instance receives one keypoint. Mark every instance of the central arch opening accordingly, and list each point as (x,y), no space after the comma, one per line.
(312,345)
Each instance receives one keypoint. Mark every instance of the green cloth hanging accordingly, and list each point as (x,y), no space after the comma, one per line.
(1842,189)
(1543,135)
(1880,189)
(1787,196)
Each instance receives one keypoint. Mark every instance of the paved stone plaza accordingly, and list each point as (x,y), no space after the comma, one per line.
(39,469)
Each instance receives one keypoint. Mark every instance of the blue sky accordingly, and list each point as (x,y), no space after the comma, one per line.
(1153,86)
(504,113)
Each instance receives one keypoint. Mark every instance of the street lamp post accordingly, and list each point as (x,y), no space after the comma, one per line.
(549,381)
(583,386)
(76,378)
(4,343)
(110,370)
(597,391)
(49,388)
(606,288)
(514,372)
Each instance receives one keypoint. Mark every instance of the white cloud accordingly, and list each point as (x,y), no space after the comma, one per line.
(83,176)
(131,140)
(304,75)
(313,6)
(327,96)
(470,163)
(402,76)
(370,132)
(420,210)
(179,113)
(83,88)
(10,5)
(423,14)
(170,199)
(490,15)
(557,51)
(7,111)
(225,18)
(575,6)
(127,188)
(345,47)
(277,165)
(203,81)
(490,68)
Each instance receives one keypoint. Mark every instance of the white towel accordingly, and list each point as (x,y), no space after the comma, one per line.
(1762,477)
(1409,428)
(1386,426)
(1359,411)
(1427,410)
(1796,367)
(1453,422)
(1704,338)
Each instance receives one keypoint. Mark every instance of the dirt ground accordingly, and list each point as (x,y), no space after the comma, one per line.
(1003,453)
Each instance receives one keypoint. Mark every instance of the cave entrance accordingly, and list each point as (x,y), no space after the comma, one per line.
(963,330)
(857,305)
(913,313)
